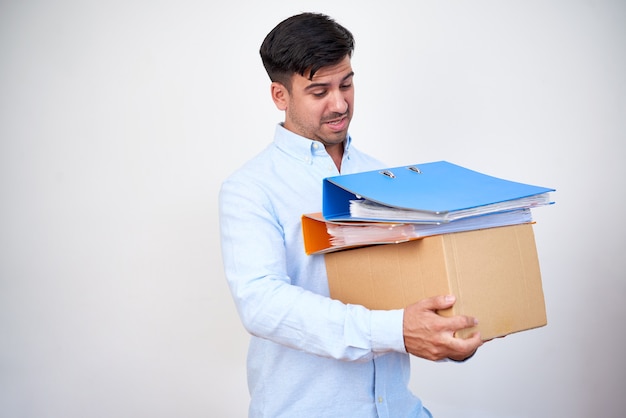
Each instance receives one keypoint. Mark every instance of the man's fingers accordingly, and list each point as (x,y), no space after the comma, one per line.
(460,322)
(436,303)
(461,349)
(432,336)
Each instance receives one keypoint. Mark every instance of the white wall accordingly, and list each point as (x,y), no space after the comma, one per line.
(119,119)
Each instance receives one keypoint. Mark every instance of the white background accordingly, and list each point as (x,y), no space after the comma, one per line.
(119,120)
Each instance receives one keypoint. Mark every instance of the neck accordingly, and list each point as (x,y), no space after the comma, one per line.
(336,153)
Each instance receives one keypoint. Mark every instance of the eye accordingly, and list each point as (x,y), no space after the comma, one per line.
(320,93)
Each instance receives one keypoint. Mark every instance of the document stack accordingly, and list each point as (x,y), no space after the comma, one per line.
(395,236)
(411,202)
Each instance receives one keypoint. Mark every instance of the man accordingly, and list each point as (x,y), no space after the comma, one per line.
(311,356)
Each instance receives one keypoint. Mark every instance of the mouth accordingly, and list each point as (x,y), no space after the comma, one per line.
(338,124)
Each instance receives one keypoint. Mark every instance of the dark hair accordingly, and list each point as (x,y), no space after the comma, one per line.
(303,44)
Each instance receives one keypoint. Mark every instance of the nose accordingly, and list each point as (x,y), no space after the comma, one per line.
(338,102)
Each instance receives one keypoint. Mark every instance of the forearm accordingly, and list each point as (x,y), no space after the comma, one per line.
(302,320)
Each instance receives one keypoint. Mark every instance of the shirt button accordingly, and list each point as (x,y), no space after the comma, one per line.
(380,399)
(316,145)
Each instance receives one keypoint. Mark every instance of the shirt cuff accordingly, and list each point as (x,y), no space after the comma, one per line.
(387,331)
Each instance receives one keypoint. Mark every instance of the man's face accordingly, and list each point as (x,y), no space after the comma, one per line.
(321,108)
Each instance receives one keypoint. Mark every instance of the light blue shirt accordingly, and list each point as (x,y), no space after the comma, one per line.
(309,355)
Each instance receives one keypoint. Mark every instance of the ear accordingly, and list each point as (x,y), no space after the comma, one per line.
(280,95)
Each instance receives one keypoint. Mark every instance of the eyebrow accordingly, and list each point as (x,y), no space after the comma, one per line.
(317,85)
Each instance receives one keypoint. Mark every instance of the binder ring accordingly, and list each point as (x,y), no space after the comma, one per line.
(388,174)
(414,169)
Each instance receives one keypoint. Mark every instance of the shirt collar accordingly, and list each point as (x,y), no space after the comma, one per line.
(303,148)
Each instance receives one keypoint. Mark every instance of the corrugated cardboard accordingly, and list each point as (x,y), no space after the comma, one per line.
(494,274)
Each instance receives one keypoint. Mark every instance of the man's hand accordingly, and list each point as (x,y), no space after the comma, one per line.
(431,336)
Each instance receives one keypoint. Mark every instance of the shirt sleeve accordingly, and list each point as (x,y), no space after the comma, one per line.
(271,307)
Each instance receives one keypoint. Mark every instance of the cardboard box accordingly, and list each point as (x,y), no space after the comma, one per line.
(494,274)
